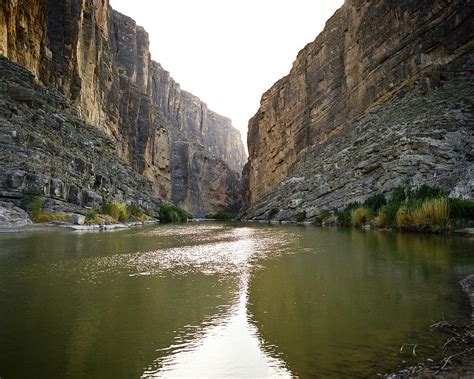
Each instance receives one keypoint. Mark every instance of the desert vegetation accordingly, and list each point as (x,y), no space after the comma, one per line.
(172,213)
(423,209)
(222,215)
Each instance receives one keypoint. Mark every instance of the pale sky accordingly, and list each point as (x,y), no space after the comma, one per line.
(228,52)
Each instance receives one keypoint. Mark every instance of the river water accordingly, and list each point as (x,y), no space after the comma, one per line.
(224,299)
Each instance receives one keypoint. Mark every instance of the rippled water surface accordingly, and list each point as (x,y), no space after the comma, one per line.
(217,299)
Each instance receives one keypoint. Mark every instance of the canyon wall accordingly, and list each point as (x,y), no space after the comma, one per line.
(382,97)
(99,60)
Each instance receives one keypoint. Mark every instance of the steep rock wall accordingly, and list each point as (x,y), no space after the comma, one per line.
(315,125)
(99,60)
(46,150)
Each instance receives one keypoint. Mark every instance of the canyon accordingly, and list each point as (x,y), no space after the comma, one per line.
(382,98)
(92,78)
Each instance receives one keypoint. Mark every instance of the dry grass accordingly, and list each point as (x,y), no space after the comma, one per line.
(383,219)
(431,215)
(360,216)
(41,217)
(118,211)
(98,219)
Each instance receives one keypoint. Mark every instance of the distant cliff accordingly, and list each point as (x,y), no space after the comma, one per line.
(383,97)
(98,59)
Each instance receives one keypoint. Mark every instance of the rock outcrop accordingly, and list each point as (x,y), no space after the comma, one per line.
(381,98)
(99,60)
(46,150)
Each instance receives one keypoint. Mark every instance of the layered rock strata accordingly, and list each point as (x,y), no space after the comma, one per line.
(46,150)
(382,97)
(99,60)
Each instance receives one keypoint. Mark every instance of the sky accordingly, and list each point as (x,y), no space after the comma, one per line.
(228,52)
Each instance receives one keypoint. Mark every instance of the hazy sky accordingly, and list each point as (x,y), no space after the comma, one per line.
(228,52)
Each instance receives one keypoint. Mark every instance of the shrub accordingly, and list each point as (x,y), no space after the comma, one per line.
(375,202)
(171,213)
(385,217)
(344,215)
(117,210)
(426,192)
(431,215)
(222,215)
(40,216)
(52,216)
(134,210)
(360,216)
(398,196)
(461,209)
(91,218)
(35,208)
(273,212)
(403,218)
(301,216)
(321,217)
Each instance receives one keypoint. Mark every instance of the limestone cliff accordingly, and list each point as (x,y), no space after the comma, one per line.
(47,150)
(99,60)
(382,97)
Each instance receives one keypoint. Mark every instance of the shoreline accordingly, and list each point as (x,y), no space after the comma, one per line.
(460,365)
(37,227)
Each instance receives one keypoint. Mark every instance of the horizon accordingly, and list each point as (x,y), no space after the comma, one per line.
(237,65)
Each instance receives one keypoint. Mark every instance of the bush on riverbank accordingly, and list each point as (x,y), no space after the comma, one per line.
(423,209)
(360,216)
(171,213)
(38,215)
(222,215)
(109,213)
(118,211)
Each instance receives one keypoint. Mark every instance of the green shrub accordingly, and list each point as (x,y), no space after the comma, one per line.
(301,216)
(461,209)
(387,215)
(91,215)
(344,215)
(222,215)
(134,210)
(36,208)
(360,216)
(321,217)
(398,196)
(384,218)
(171,213)
(426,192)
(137,213)
(273,212)
(375,202)
(117,210)
(403,218)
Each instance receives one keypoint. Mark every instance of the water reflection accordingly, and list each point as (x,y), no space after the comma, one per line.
(229,344)
(228,348)
(222,300)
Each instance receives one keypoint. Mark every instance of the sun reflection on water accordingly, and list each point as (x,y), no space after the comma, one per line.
(229,344)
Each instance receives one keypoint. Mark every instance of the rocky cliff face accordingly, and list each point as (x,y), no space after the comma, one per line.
(47,150)
(382,97)
(99,60)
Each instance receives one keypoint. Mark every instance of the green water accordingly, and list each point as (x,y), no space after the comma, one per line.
(216,299)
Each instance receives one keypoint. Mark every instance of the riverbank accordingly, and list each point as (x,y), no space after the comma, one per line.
(455,365)
(16,219)
(34,227)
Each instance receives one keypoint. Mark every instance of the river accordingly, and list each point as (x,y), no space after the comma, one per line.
(224,299)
